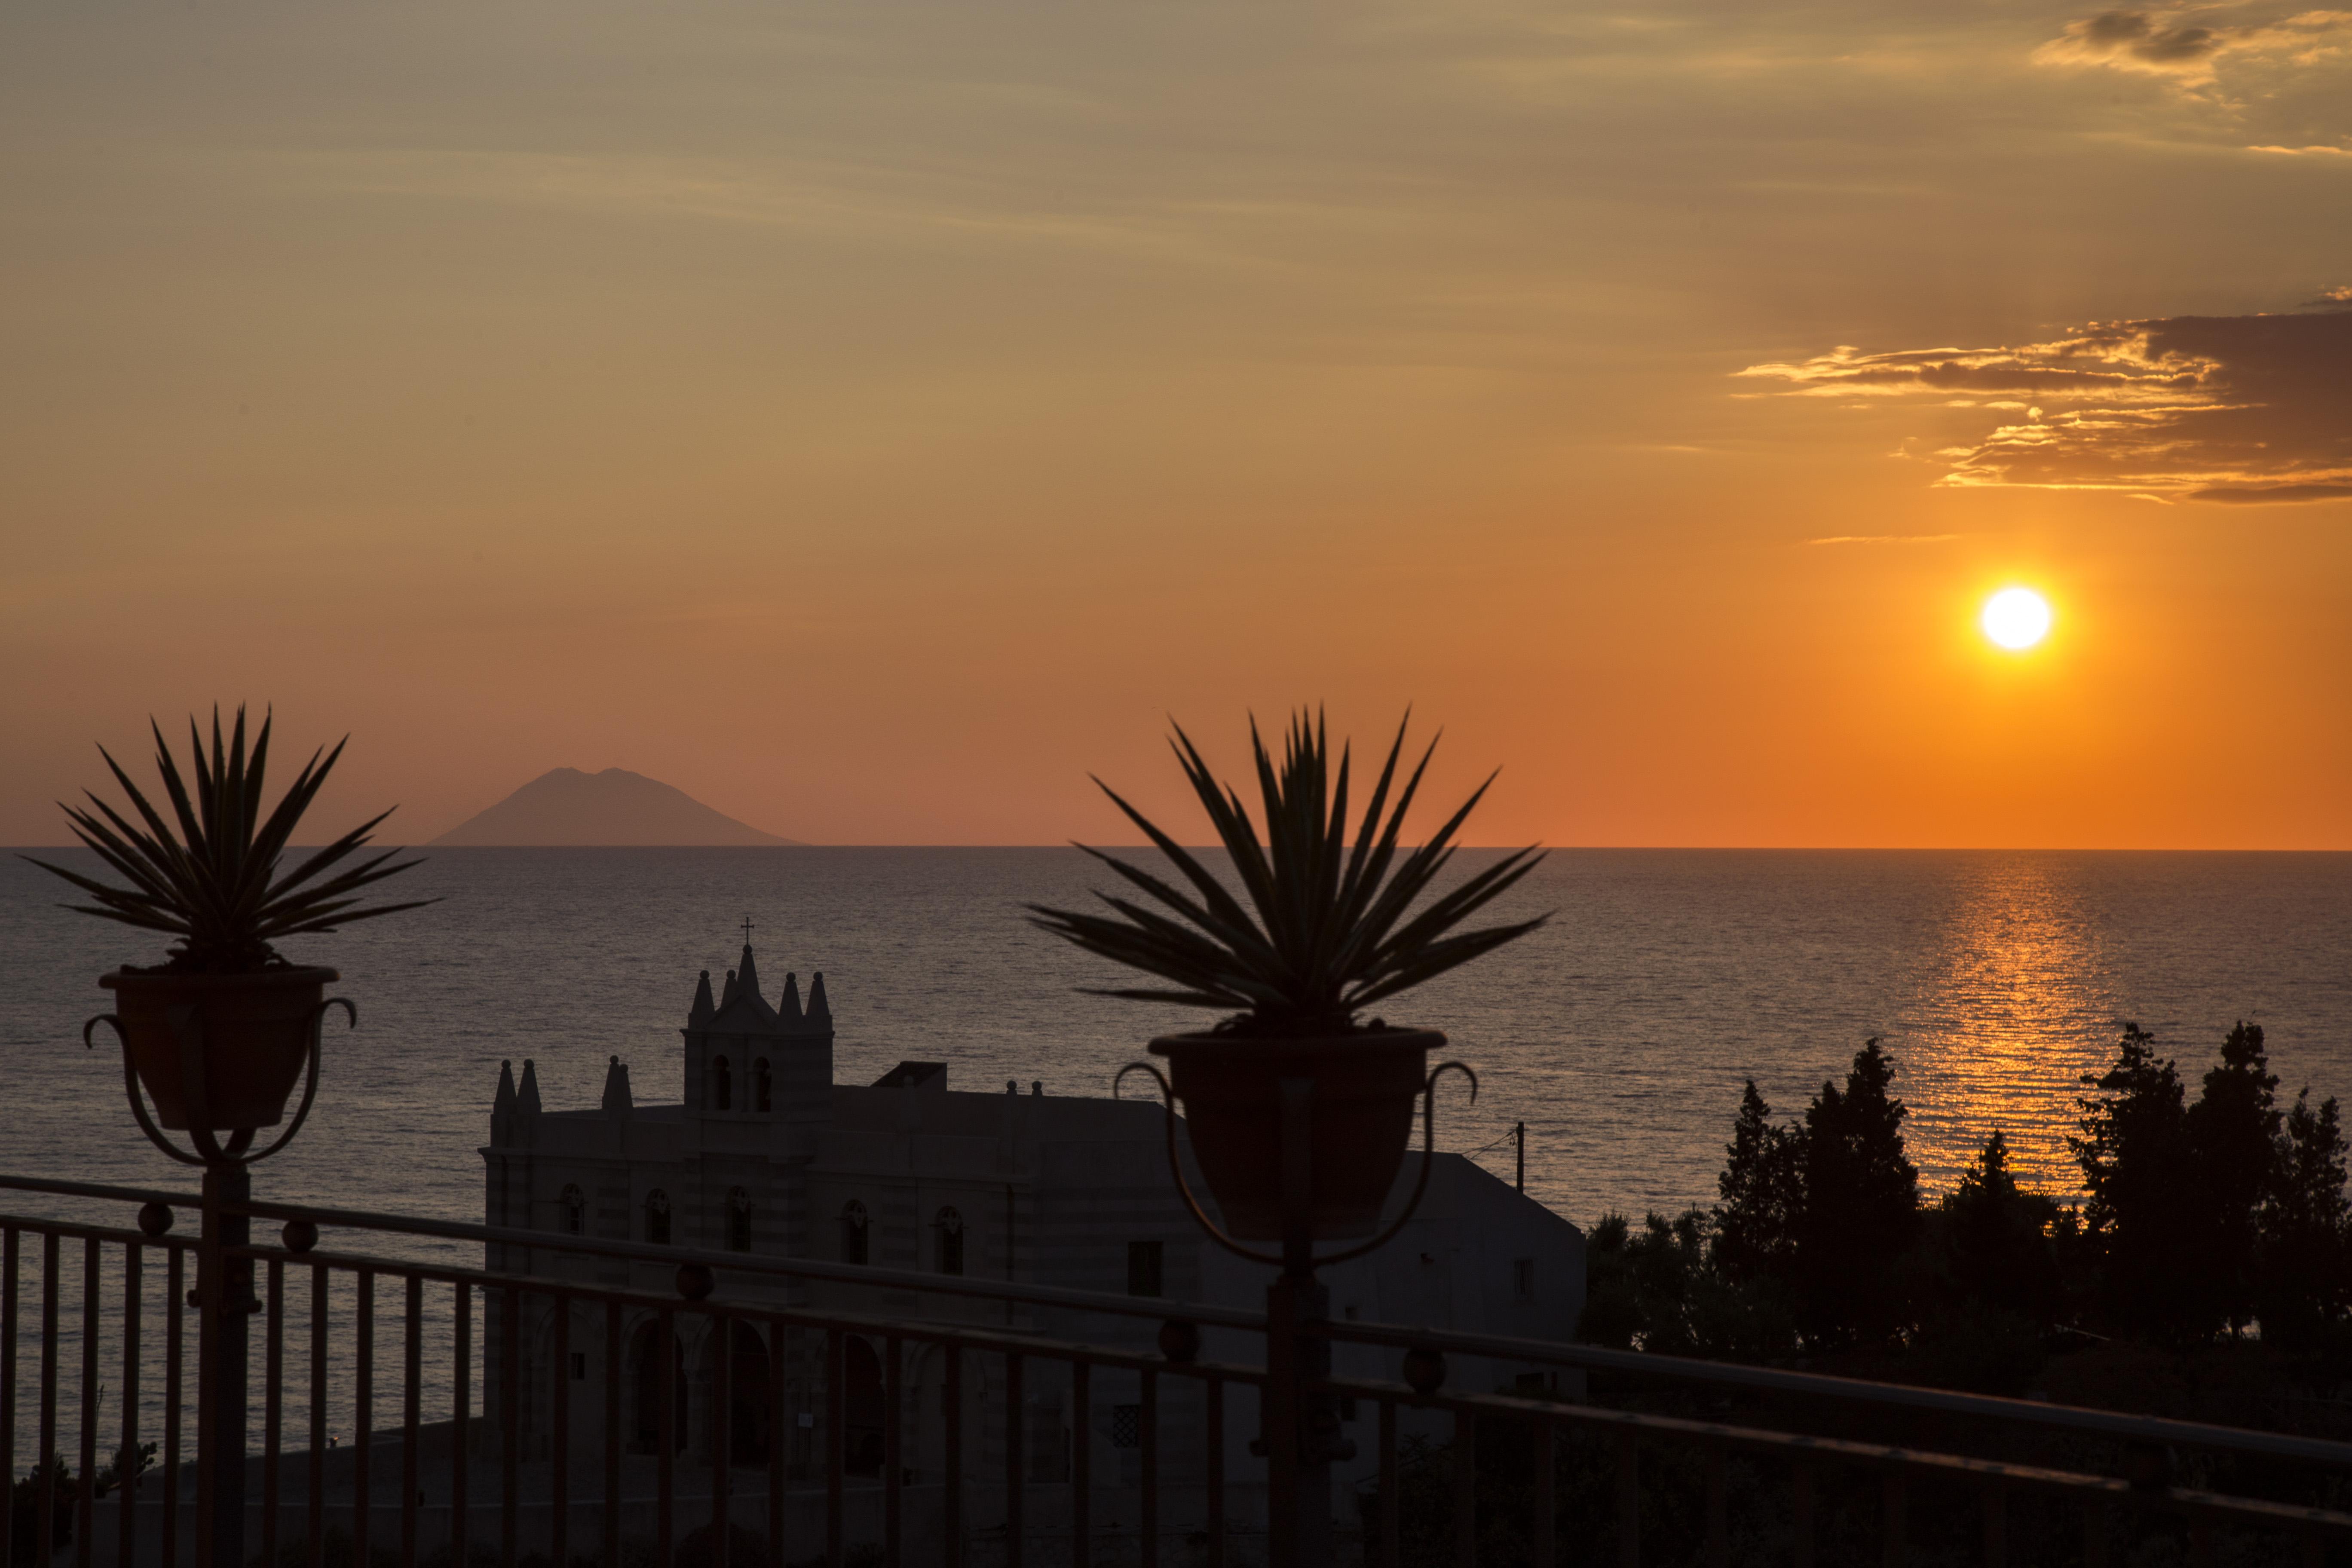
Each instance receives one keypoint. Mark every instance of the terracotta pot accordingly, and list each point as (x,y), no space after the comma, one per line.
(1360,1124)
(255,1032)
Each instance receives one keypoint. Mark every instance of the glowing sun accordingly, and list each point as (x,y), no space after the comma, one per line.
(2016,617)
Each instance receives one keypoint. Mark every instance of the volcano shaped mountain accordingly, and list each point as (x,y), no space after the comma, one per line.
(567,808)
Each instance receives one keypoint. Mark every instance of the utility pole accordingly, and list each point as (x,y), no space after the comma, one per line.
(1521,1132)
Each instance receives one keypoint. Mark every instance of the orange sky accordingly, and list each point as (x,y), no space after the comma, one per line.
(873,419)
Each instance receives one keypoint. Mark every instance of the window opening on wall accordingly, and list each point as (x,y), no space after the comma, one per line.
(854,1232)
(579,1367)
(764,1087)
(1523,1278)
(722,1084)
(949,1247)
(657,1218)
(738,1220)
(575,1206)
(1143,1267)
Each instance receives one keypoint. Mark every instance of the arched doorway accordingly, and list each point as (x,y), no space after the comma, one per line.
(645,1433)
(861,1408)
(749,1418)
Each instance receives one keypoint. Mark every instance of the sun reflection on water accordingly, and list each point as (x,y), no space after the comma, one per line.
(2020,1007)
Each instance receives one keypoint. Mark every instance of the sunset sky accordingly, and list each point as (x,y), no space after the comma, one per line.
(872,418)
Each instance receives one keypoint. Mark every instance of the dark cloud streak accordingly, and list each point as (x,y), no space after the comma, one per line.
(2236,410)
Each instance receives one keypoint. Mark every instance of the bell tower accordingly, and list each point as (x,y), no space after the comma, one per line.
(746,1060)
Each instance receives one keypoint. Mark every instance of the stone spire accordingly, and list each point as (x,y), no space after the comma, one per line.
(788,1005)
(527,1096)
(747,979)
(818,1013)
(616,1088)
(504,1104)
(701,1012)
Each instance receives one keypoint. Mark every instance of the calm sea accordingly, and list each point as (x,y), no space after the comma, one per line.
(1619,1034)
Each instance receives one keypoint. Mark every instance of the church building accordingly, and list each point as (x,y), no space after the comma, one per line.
(762,1152)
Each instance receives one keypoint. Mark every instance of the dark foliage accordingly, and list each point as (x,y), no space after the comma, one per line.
(1325,929)
(1861,1210)
(2233,1133)
(1763,1196)
(214,884)
(2133,1146)
(2303,1288)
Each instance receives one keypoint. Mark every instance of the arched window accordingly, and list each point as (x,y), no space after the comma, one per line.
(738,1220)
(764,1087)
(722,1084)
(852,1232)
(574,1207)
(657,1218)
(949,1228)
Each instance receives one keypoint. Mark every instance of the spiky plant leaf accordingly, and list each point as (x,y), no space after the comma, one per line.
(1320,929)
(209,877)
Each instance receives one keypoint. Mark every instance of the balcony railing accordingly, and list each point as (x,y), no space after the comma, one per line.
(605,1402)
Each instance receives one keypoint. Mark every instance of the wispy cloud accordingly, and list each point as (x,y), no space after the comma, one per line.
(1885,539)
(2187,42)
(2231,409)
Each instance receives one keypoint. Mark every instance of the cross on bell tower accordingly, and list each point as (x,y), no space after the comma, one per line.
(747,931)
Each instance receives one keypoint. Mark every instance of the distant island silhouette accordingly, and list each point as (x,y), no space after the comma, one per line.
(616,808)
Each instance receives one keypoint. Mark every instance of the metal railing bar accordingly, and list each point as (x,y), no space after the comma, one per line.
(318,1475)
(11,1259)
(79,1232)
(1213,1390)
(1016,1469)
(835,1430)
(1546,1506)
(1632,1425)
(410,1402)
(45,1455)
(175,1391)
(559,1440)
(722,1262)
(85,1497)
(1801,1513)
(363,1411)
(101,1190)
(665,1354)
(126,1470)
(894,1352)
(1719,1522)
(1466,1490)
(461,1389)
(613,1434)
(1150,1436)
(951,1413)
(971,1336)
(1629,1498)
(722,1436)
(1082,1461)
(778,1436)
(511,1427)
(2074,1417)
(273,1383)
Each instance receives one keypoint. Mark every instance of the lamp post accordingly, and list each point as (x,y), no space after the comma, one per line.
(224,1296)
(1300,1437)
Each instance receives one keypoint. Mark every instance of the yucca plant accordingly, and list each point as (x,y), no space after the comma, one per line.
(1329,928)
(214,883)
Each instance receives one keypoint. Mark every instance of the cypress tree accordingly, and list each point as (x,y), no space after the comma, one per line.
(2233,1133)
(1762,1187)
(1861,1208)
(2140,1216)
(2307,1229)
(2000,1251)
